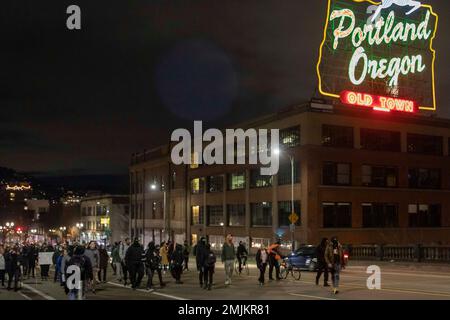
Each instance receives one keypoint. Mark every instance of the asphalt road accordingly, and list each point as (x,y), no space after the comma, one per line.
(397,282)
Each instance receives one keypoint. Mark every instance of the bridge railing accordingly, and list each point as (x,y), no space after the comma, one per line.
(416,253)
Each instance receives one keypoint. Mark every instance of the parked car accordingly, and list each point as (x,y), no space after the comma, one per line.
(304,258)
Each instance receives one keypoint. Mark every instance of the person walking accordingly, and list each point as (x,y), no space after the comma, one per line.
(45,268)
(262,258)
(12,267)
(209,267)
(32,258)
(80,260)
(117,261)
(152,265)
(133,260)
(164,253)
(186,253)
(335,260)
(122,253)
(176,262)
(322,266)
(274,260)
(2,266)
(94,257)
(228,255)
(200,254)
(103,263)
(241,255)
(24,264)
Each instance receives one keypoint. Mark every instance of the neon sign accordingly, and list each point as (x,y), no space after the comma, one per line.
(18,187)
(378,103)
(383,48)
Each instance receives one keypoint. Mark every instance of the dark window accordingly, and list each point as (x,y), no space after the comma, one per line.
(290,137)
(380,140)
(336,174)
(378,176)
(259,181)
(84,211)
(337,136)
(261,214)
(236,181)
(424,178)
(215,216)
(337,215)
(285,173)
(424,215)
(424,144)
(197,216)
(380,215)
(236,215)
(98,210)
(284,211)
(215,184)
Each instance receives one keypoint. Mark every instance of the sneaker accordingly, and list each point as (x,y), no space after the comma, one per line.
(227,283)
(335,291)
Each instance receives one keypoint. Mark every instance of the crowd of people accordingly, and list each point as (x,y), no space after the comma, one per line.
(130,262)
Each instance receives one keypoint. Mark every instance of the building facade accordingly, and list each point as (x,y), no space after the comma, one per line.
(367,177)
(104,218)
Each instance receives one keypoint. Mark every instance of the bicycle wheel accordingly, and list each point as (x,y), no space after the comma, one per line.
(246,269)
(296,274)
(284,271)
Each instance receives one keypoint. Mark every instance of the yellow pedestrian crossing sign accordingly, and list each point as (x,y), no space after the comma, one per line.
(293,217)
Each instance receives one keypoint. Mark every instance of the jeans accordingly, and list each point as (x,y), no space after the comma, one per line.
(119,273)
(136,274)
(208,275)
(228,270)
(262,272)
(102,271)
(150,274)
(335,271)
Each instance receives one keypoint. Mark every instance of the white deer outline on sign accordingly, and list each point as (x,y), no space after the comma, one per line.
(389,3)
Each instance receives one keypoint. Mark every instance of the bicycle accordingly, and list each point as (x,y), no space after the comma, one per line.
(287,268)
(244,266)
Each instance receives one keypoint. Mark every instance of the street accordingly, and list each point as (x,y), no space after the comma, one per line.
(397,282)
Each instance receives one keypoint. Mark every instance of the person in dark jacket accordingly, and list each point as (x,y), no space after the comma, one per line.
(32,257)
(12,267)
(24,260)
(200,253)
(241,255)
(186,253)
(133,259)
(84,264)
(209,265)
(103,264)
(262,258)
(176,262)
(153,264)
(322,266)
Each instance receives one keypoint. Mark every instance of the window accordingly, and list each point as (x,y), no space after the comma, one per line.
(337,215)
(215,216)
(197,185)
(98,210)
(236,215)
(216,242)
(290,137)
(284,211)
(424,178)
(337,136)
(380,215)
(260,242)
(197,215)
(379,176)
(84,211)
(261,214)
(236,181)
(259,181)
(284,173)
(336,174)
(380,140)
(215,184)
(424,215)
(424,144)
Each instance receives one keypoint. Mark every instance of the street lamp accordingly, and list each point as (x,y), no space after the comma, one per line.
(292,226)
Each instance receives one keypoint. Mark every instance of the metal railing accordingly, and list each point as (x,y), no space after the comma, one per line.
(416,253)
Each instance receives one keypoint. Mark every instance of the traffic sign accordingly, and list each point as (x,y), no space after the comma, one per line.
(293,217)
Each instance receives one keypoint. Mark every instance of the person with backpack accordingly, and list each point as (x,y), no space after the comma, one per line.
(186,253)
(176,262)
(152,265)
(262,257)
(334,257)
(133,260)
(208,267)
(80,260)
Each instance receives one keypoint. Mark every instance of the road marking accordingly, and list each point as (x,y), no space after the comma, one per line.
(45,296)
(308,296)
(142,290)
(25,296)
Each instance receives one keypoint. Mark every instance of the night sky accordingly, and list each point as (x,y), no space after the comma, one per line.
(81,102)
